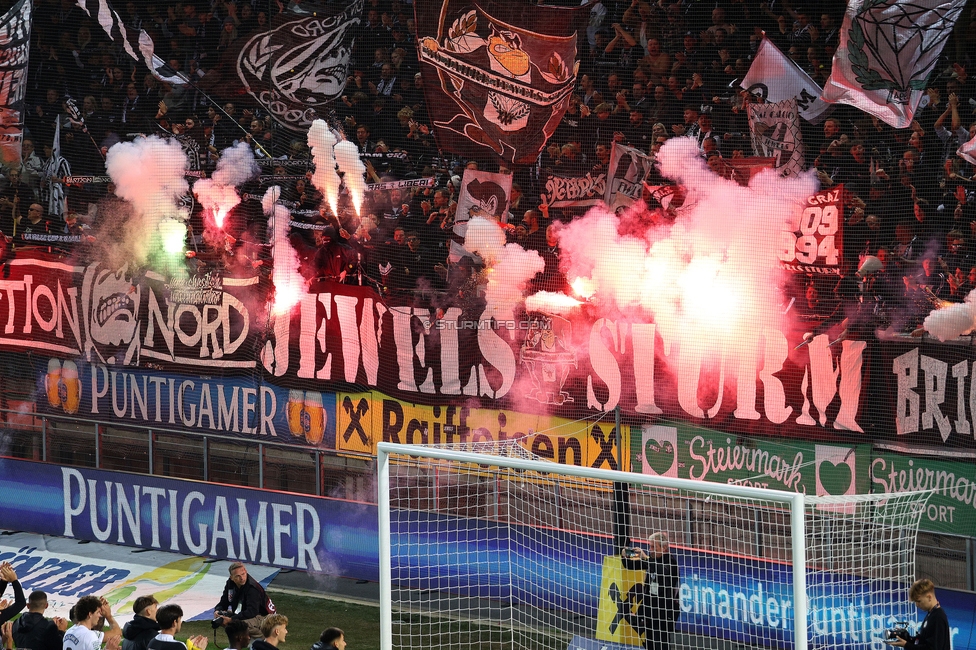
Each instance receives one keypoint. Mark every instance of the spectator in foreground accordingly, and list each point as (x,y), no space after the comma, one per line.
(32,630)
(143,628)
(237,635)
(170,620)
(332,638)
(7,574)
(274,629)
(90,614)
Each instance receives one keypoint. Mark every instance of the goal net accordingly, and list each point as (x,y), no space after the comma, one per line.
(486,546)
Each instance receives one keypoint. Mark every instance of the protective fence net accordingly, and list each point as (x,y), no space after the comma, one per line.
(492,548)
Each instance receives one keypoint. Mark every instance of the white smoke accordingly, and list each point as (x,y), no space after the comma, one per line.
(508,267)
(322,142)
(288,283)
(353,170)
(952,321)
(150,174)
(218,194)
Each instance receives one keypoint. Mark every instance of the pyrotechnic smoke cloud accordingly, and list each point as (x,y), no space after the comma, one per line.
(353,169)
(149,173)
(218,194)
(712,278)
(508,267)
(953,320)
(322,142)
(287,281)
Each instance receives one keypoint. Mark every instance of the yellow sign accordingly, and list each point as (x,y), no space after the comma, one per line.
(365,419)
(617,602)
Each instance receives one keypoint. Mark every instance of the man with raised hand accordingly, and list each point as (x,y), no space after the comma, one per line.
(90,615)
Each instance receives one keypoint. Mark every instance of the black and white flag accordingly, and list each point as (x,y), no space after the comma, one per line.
(299,66)
(15,27)
(133,42)
(887,50)
(776,134)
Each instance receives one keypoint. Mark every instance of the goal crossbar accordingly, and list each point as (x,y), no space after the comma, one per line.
(795,501)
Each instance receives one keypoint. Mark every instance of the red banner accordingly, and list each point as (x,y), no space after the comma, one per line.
(813,243)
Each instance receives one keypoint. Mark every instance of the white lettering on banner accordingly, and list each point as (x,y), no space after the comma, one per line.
(911,479)
(203,523)
(197,404)
(909,412)
(495,375)
(722,459)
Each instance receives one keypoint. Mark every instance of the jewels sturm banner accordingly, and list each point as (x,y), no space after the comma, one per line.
(118,321)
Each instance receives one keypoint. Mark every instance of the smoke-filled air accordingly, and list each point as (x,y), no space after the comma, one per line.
(353,170)
(218,195)
(149,173)
(710,278)
(322,142)
(508,267)
(285,276)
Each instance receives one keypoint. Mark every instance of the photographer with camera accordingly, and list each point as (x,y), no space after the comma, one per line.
(243,599)
(934,632)
(658,595)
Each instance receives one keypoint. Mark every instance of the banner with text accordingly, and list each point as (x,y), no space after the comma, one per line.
(813,242)
(366,419)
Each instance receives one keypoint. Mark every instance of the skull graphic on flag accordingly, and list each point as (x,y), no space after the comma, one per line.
(509,80)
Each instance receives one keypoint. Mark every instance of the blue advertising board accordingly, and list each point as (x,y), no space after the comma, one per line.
(190,517)
(735,598)
(230,405)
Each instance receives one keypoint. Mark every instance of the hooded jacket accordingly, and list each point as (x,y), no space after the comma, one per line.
(34,631)
(138,632)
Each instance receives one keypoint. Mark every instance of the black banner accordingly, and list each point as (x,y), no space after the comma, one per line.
(498,75)
(299,66)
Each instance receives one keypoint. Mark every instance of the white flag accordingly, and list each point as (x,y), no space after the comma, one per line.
(626,174)
(483,194)
(887,50)
(776,134)
(779,78)
(968,152)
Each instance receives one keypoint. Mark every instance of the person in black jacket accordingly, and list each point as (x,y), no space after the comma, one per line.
(170,619)
(34,631)
(658,607)
(331,639)
(7,574)
(243,599)
(934,632)
(143,628)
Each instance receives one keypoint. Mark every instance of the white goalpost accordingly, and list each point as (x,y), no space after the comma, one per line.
(484,545)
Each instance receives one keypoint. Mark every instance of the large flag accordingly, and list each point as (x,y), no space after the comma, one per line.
(626,174)
(15,27)
(132,41)
(775,130)
(886,52)
(498,75)
(299,66)
(777,78)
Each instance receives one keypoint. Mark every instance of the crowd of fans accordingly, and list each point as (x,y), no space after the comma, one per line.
(648,72)
(92,626)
